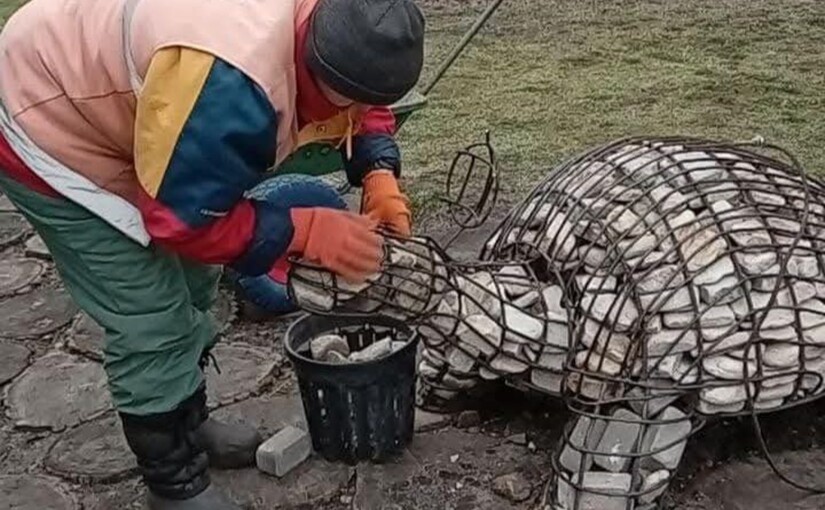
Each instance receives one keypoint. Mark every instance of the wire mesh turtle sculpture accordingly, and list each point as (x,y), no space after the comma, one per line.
(650,283)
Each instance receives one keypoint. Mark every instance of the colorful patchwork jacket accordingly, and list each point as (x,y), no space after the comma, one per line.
(159,115)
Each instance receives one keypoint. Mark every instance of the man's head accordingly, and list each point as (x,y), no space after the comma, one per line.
(368,51)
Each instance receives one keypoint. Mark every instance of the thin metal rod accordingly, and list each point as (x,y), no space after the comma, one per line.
(461,45)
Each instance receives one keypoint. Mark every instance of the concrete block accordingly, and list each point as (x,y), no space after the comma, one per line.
(282,452)
(620,438)
(616,485)
(674,431)
(585,435)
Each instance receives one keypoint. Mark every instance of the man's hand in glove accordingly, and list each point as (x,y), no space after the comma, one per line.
(340,241)
(383,201)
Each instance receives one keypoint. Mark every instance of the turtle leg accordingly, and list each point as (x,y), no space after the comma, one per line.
(618,456)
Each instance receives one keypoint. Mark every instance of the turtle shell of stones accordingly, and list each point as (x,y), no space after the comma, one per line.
(687,261)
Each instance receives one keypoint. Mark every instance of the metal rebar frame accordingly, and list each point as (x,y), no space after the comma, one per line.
(650,282)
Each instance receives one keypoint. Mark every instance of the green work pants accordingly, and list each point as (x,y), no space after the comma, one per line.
(153,304)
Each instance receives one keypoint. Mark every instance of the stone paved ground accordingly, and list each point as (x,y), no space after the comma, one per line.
(61,445)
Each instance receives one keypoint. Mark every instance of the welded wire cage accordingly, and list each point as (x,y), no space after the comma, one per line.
(648,282)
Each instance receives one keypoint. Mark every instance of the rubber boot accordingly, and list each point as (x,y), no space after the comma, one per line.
(230,445)
(172,463)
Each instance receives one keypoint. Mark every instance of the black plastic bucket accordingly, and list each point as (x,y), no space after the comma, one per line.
(356,411)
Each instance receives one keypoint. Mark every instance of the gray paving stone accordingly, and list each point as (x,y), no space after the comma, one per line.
(18,273)
(36,313)
(244,371)
(34,492)
(310,484)
(267,413)
(86,337)
(13,228)
(6,205)
(14,358)
(56,392)
(95,451)
(36,248)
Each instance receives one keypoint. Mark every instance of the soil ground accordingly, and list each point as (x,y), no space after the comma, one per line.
(548,79)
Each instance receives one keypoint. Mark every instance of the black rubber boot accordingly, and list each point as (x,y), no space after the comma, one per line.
(173,464)
(230,445)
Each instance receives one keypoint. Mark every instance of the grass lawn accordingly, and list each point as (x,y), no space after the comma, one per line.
(552,77)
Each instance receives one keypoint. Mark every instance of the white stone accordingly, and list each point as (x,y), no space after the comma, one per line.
(320,346)
(717,317)
(782,380)
(664,277)
(481,333)
(812,314)
(630,248)
(668,342)
(372,352)
(756,263)
(463,362)
(701,243)
(507,364)
(282,452)
(803,267)
(597,363)
(615,485)
(788,333)
(459,383)
(482,294)
(622,220)
(673,429)
(427,371)
(776,318)
(672,300)
(742,308)
(776,392)
(726,343)
(728,368)
(487,374)
(617,310)
(558,335)
(781,355)
(618,441)
(527,300)
(815,336)
(547,381)
(585,435)
(724,291)
(654,485)
(552,297)
(558,240)
(768,404)
(520,326)
(715,272)
(712,409)
(724,395)
(514,280)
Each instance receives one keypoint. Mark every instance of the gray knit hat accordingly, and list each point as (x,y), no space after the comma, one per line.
(370,51)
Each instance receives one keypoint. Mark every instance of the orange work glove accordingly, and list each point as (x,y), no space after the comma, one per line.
(383,201)
(340,241)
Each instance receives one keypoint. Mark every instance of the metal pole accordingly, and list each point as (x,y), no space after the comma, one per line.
(461,45)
